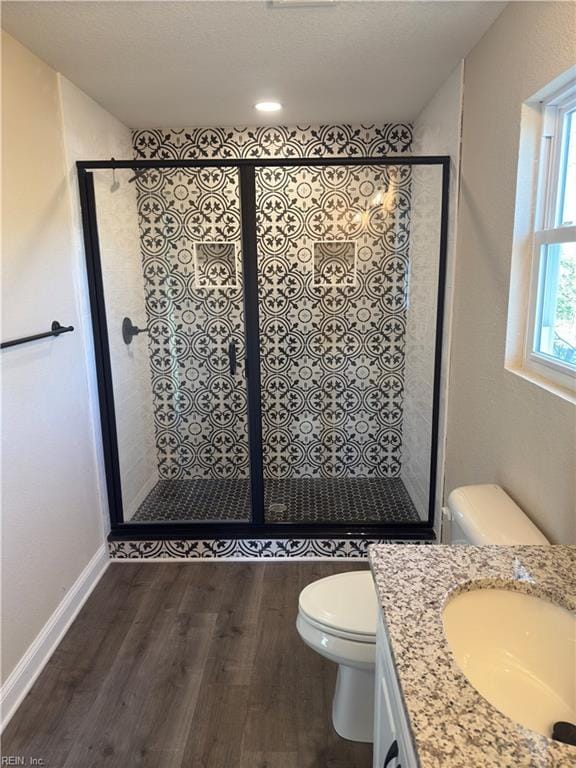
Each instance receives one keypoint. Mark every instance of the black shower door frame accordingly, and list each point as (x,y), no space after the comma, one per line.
(257,527)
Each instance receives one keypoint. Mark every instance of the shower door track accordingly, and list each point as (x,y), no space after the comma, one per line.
(258,527)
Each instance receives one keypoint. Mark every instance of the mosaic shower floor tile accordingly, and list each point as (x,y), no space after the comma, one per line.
(306,500)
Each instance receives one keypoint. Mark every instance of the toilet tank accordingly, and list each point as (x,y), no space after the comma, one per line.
(485,514)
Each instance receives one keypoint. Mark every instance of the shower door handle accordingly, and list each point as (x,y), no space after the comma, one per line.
(232,358)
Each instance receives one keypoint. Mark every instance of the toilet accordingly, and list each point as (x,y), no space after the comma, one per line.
(337,615)
(337,618)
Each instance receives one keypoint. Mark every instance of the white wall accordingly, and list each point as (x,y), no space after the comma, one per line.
(91,133)
(436,132)
(54,511)
(52,503)
(501,427)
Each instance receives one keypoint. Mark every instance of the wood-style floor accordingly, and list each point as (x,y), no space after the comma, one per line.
(196,665)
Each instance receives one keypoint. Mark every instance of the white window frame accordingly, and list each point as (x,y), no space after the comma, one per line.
(548,231)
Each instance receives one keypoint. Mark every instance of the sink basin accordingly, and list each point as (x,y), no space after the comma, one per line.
(518,651)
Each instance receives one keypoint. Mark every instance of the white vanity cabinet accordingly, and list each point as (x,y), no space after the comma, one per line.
(393,746)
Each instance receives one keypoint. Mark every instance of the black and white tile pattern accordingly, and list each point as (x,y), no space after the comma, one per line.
(244,549)
(273,141)
(332,339)
(333,285)
(312,500)
(190,237)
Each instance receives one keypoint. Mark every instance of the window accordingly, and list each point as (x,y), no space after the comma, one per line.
(551,330)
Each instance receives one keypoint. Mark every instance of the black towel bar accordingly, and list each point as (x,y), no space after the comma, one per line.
(55,330)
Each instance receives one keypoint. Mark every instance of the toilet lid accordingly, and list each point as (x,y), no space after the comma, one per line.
(345,602)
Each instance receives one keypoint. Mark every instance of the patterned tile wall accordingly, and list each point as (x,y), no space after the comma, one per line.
(332,278)
(192,262)
(276,141)
(332,321)
(244,549)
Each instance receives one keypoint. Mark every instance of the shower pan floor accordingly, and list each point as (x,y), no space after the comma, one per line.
(302,500)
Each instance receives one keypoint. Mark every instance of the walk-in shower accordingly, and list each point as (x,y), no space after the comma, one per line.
(267,337)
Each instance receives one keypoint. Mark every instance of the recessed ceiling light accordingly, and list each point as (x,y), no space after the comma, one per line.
(268,106)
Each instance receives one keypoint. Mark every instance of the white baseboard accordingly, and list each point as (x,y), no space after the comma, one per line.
(23,676)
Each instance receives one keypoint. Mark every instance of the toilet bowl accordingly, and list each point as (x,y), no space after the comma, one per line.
(337,618)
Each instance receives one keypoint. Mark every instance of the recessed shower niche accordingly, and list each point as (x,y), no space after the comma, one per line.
(284,376)
(215,265)
(334,264)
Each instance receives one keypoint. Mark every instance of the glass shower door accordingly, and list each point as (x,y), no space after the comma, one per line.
(335,267)
(171,261)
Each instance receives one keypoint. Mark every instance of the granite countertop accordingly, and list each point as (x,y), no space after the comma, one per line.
(452,725)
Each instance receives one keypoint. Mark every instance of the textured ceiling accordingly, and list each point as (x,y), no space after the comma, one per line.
(167,64)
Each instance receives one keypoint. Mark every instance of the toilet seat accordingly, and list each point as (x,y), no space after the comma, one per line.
(343,605)
(354,637)
(341,650)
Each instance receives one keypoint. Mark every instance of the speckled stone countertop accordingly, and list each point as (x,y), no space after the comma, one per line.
(452,725)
